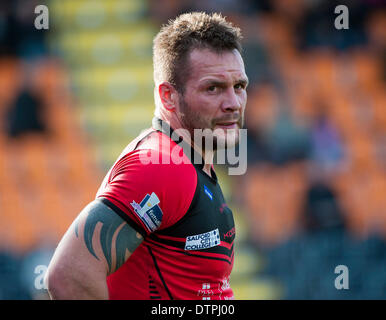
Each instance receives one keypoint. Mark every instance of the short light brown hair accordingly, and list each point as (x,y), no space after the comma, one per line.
(189,31)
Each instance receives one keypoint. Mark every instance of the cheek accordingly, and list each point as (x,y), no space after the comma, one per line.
(206,105)
(243,99)
(199,111)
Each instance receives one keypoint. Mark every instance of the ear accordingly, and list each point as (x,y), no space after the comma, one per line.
(168,96)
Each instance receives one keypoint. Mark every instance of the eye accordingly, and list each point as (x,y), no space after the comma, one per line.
(239,86)
(212,88)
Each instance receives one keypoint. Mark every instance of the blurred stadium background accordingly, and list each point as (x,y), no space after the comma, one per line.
(314,195)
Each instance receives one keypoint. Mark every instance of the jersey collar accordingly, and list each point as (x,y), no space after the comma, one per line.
(162,126)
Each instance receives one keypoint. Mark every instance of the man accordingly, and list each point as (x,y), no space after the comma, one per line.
(159,227)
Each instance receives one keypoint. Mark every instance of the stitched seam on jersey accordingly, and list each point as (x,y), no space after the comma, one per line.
(177,244)
(204,257)
(167,237)
(123,215)
(168,246)
(195,255)
(151,130)
(159,273)
(227,255)
(152,238)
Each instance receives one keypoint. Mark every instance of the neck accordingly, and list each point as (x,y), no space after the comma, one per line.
(206,155)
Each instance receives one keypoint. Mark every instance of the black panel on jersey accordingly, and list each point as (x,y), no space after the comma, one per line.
(207,211)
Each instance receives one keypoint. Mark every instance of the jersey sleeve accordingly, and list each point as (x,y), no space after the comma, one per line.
(148,196)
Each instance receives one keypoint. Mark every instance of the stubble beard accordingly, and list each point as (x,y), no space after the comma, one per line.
(222,139)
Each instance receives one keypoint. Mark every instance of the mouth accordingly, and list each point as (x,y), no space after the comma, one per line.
(227,125)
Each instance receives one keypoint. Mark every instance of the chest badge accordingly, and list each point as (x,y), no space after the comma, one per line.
(203,241)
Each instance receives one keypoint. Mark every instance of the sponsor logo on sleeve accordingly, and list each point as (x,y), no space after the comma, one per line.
(203,241)
(149,211)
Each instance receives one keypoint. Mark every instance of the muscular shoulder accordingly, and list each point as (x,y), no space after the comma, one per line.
(157,170)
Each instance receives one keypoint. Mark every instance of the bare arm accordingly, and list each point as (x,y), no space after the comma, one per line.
(96,244)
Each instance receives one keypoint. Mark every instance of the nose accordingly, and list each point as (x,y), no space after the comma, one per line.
(231,102)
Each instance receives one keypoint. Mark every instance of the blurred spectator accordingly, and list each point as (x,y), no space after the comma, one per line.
(25,115)
(7,24)
(20,39)
(375,27)
(257,63)
(322,210)
(259,116)
(287,140)
(326,146)
(11,286)
(317,28)
(18,35)
(257,149)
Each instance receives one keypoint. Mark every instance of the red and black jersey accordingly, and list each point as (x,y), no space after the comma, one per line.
(188,229)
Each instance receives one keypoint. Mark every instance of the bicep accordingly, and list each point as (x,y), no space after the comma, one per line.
(97,243)
(105,235)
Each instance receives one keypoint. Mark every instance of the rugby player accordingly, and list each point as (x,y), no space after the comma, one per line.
(159,227)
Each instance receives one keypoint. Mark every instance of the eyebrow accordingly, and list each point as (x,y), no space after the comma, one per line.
(243,81)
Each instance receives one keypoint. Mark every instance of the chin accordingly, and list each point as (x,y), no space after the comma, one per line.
(228,139)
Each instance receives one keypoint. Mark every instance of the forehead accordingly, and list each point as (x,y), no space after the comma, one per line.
(204,63)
